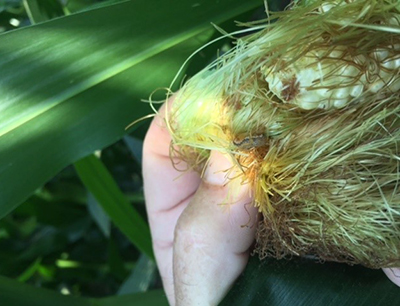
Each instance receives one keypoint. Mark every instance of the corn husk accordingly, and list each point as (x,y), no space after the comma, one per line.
(309,109)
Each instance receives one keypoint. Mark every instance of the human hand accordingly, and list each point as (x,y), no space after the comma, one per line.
(393,274)
(201,247)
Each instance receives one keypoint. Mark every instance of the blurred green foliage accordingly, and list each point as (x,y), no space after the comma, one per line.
(15,14)
(58,239)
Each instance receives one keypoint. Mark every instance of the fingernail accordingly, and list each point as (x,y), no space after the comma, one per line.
(217,169)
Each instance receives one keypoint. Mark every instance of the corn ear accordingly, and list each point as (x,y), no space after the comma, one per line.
(309,109)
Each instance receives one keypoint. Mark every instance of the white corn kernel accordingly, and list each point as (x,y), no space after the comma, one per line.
(322,79)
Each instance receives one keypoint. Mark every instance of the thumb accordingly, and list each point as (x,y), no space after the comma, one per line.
(213,236)
(393,274)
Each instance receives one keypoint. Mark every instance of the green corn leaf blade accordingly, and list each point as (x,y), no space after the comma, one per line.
(99,215)
(82,5)
(141,278)
(8,4)
(30,271)
(101,184)
(13,293)
(151,298)
(303,282)
(115,260)
(43,10)
(71,85)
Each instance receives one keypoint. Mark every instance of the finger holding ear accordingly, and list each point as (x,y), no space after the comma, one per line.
(212,237)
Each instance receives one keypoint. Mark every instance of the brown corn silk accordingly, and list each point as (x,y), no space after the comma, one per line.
(308,108)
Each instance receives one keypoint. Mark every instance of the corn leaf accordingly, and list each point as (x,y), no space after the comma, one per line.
(151,298)
(71,85)
(305,282)
(141,277)
(82,5)
(43,10)
(13,293)
(101,184)
(99,215)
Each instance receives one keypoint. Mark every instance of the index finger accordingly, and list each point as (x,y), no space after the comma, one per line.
(160,176)
(166,193)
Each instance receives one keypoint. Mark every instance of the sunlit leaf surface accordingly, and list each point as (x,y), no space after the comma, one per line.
(71,85)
